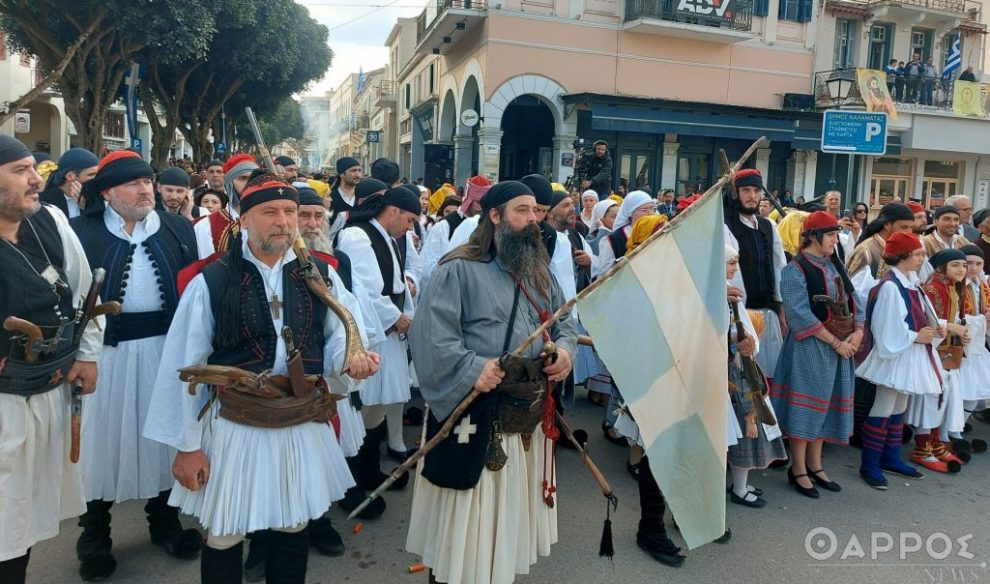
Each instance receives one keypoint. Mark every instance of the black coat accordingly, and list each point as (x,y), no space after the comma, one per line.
(600,174)
(54,196)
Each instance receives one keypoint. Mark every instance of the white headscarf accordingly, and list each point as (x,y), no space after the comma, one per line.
(633,201)
(598,213)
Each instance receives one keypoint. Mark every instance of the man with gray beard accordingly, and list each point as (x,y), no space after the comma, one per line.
(43,278)
(143,251)
(484,298)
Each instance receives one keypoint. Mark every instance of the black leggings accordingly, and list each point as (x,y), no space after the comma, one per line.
(14,570)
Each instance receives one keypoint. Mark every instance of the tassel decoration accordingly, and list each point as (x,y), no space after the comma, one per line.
(606,548)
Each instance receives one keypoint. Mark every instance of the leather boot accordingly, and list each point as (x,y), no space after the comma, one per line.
(166,530)
(370,472)
(14,570)
(287,558)
(652,534)
(324,538)
(221,566)
(890,459)
(355,495)
(94,543)
(874,433)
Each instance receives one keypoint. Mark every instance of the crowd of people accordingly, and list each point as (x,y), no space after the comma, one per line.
(300,361)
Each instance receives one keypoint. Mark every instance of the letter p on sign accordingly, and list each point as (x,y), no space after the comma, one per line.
(873,130)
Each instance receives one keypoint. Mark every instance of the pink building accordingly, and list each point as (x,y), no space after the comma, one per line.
(668,83)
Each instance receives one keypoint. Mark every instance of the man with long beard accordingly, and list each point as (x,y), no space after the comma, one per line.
(484,298)
(237,470)
(43,277)
(142,251)
(761,257)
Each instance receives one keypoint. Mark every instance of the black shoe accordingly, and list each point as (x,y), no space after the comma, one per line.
(254,566)
(756,503)
(979,445)
(633,469)
(413,417)
(754,490)
(355,496)
(725,536)
(778,464)
(662,551)
(325,538)
(184,544)
(97,567)
(579,435)
(827,485)
(166,529)
(811,493)
(614,439)
(398,456)
(878,484)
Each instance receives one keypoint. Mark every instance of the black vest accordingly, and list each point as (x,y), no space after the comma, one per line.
(337,202)
(549,236)
(814,277)
(172,248)
(25,294)
(454,220)
(618,240)
(582,275)
(383,255)
(302,312)
(755,259)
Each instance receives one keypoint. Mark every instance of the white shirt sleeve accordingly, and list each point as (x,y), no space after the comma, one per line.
(606,257)
(204,238)
(891,335)
(433,249)
(80,278)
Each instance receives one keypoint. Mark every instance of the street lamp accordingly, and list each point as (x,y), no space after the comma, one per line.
(838,85)
(838,88)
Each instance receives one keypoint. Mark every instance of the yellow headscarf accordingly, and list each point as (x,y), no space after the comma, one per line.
(643,228)
(616,198)
(789,229)
(438,197)
(46,168)
(322,189)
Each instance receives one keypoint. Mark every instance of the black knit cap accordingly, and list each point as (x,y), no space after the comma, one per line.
(175,177)
(266,191)
(403,198)
(945,210)
(12,150)
(541,187)
(945,256)
(895,212)
(368,186)
(113,170)
(308,196)
(346,163)
(972,250)
(503,192)
(284,161)
(385,170)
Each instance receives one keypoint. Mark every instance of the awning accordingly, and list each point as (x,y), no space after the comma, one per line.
(802,133)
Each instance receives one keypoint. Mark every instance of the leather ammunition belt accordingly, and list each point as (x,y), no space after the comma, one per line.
(248,406)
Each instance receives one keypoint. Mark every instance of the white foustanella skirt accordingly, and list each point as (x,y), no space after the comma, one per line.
(265,478)
(491,533)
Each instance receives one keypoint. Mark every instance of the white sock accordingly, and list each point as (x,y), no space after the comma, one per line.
(739,481)
(393,419)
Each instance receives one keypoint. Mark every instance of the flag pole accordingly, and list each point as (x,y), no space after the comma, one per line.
(623,261)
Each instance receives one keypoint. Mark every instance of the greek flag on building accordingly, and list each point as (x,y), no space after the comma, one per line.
(953,61)
(660,324)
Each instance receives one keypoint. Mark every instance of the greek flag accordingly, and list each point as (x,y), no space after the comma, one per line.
(954,60)
(660,324)
(360,81)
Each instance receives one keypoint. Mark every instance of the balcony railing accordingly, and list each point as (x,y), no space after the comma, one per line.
(385,93)
(953,6)
(910,95)
(734,15)
(428,17)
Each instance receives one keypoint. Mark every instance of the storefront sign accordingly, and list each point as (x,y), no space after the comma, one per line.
(567,159)
(490,161)
(982,188)
(22,122)
(469,118)
(724,11)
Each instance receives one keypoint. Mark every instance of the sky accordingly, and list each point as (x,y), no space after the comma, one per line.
(358,29)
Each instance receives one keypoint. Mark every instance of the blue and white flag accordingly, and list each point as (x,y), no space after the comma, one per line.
(953,61)
(360,81)
(660,324)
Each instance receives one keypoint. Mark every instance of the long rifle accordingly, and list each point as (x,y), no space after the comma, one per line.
(266,155)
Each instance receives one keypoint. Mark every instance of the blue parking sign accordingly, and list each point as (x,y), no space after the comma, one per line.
(854,132)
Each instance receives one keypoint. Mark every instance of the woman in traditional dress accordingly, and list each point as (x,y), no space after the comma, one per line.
(602,219)
(812,390)
(753,448)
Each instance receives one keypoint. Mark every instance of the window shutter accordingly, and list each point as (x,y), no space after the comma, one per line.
(761,7)
(805,7)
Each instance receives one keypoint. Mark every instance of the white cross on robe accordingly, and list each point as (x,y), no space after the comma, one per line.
(465,429)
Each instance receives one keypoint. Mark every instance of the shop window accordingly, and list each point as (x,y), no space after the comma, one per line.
(941,181)
(692,172)
(891,181)
(114,126)
(635,169)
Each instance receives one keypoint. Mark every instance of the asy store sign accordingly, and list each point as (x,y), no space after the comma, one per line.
(723,10)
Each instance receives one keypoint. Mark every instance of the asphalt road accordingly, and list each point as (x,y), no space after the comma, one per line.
(768,545)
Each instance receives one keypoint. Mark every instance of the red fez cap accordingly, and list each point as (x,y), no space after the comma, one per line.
(114,157)
(901,243)
(235,160)
(749,177)
(916,208)
(686,202)
(821,221)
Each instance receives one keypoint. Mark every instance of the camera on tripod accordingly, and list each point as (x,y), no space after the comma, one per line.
(584,150)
